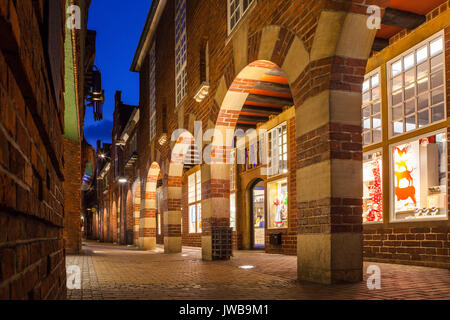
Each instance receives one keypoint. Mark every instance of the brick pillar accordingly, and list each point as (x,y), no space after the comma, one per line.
(215,205)
(172,217)
(72,196)
(137,213)
(329,152)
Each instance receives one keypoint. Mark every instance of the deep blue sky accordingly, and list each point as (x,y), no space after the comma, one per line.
(119,25)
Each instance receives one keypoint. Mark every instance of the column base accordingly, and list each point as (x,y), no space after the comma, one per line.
(149,244)
(172,245)
(330,258)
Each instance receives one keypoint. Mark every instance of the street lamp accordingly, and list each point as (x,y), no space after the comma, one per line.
(123,180)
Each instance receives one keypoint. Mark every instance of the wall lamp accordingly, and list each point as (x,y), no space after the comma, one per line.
(202,92)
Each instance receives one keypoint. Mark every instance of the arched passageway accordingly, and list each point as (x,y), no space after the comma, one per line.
(148,211)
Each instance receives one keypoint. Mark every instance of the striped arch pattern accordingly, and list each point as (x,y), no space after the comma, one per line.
(137,212)
(148,212)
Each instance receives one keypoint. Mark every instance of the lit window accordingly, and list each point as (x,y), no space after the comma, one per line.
(278,154)
(152,93)
(416,87)
(419,171)
(372,187)
(371,109)
(236,10)
(233,211)
(180,51)
(278,204)
(194,200)
(233,169)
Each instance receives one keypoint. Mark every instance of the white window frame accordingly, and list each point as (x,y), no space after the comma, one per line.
(271,169)
(196,203)
(392,218)
(400,58)
(181,86)
(368,78)
(152,66)
(238,9)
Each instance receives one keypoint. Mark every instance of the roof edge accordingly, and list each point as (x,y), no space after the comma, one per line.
(147,33)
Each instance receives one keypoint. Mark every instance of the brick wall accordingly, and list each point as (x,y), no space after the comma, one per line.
(32,259)
(72,200)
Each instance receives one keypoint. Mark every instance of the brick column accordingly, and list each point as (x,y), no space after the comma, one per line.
(72,196)
(172,217)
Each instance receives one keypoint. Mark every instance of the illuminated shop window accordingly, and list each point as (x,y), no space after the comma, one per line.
(372,187)
(278,204)
(159,202)
(371,109)
(278,154)
(236,10)
(194,199)
(419,173)
(152,93)
(233,210)
(180,51)
(416,87)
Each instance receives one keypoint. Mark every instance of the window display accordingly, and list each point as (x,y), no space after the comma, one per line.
(420,178)
(416,87)
(278,204)
(372,187)
(258,216)
(194,199)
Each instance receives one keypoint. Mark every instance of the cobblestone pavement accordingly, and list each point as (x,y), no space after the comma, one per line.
(116,272)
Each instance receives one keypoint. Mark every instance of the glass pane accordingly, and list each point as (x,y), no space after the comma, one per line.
(366,124)
(422,101)
(376,135)
(437,113)
(376,121)
(397,127)
(410,91)
(437,96)
(397,112)
(410,77)
(437,62)
(376,94)
(423,118)
(410,107)
(422,54)
(278,204)
(366,85)
(436,47)
(376,108)
(366,97)
(397,83)
(408,61)
(192,219)
(397,97)
(422,70)
(422,86)
(366,138)
(366,112)
(375,80)
(396,68)
(411,123)
(437,79)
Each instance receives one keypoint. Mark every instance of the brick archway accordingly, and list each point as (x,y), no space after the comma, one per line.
(113,222)
(147,221)
(172,217)
(325,71)
(129,209)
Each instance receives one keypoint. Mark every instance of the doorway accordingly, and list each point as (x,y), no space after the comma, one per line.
(257,215)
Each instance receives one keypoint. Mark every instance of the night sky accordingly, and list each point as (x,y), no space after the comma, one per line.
(119,25)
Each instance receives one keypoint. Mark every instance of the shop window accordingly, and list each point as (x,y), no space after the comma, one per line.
(194,199)
(371,109)
(233,211)
(180,51)
(416,87)
(419,171)
(152,93)
(372,187)
(278,204)
(278,150)
(236,10)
